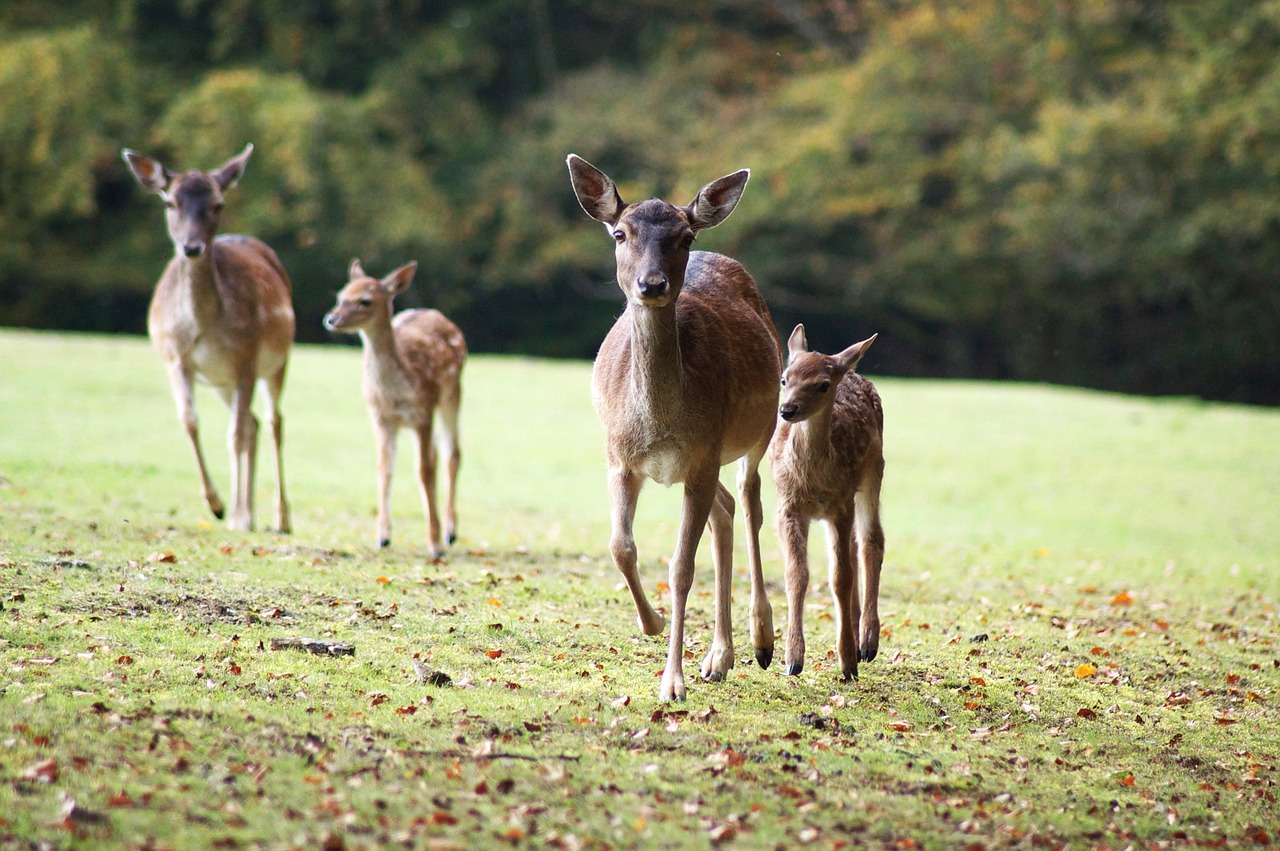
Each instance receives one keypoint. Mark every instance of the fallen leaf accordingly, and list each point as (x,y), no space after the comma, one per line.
(44,771)
(382,579)
(493,654)
(1124,598)
(1086,670)
(1086,713)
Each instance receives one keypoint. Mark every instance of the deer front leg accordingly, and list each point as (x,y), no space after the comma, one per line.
(180,382)
(449,449)
(699,496)
(761,611)
(624,491)
(384,436)
(719,659)
(794,532)
(274,387)
(870,537)
(242,444)
(427,482)
(844,588)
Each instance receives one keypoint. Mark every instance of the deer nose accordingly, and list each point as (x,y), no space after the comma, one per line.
(789,411)
(193,249)
(652,285)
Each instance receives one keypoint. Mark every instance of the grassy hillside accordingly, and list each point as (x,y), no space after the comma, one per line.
(1119,555)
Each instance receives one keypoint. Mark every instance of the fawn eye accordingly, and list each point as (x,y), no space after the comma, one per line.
(783,381)
(366,302)
(619,236)
(824,387)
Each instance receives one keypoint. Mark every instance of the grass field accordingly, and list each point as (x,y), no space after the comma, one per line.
(1079,606)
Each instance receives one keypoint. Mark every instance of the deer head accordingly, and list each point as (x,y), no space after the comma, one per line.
(810,379)
(365,300)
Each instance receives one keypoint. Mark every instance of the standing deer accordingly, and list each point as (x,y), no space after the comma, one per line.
(684,383)
(828,462)
(412,368)
(222,312)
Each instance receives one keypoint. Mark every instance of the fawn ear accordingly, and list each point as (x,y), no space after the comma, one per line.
(229,174)
(717,199)
(148,171)
(597,194)
(355,270)
(849,358)
(399,280)
(797,344)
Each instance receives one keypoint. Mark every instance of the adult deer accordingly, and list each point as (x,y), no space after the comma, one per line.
(685,382)
(828,462)
(412,369)
(222,312)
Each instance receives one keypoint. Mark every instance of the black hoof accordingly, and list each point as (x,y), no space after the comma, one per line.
(453,537)
(219,513)
(384,543)
(849,676)
(714,677)
(764,656)
(865,655)
(793,670)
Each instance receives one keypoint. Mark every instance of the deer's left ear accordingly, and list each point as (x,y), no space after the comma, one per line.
(229,174)
(355,270)
(148,171)
(797,344)
(848,359)
(399,280)
(717,199)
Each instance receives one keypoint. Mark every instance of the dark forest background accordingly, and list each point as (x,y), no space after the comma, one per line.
(1075,191)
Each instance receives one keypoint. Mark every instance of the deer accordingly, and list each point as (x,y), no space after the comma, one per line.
(222,313)
(412,376)
(827,461)
(685,382)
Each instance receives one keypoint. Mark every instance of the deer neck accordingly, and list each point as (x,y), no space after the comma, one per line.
(811,439)
(657,383)
(382,361)
(198,279)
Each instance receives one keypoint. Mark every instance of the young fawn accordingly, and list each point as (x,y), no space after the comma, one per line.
(828,462)
(222,311)
(412,369)
(684,383)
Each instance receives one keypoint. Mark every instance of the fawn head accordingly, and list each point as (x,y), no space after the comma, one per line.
(653,237)
(810,379)
(193,199)
(365,300)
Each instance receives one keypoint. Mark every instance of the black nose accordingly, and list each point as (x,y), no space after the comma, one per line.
(652,286)
(193,249)
(329,321)
(789,411)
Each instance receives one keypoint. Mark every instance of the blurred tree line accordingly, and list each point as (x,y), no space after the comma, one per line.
(1078,191)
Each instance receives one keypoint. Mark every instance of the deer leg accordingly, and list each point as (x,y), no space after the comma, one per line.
(719,659)
(275,387)
(844,588)
(384,436)
(624,490)
(699,496)
(180,382)
(761,611)
(870,538)
(427,481)
(449,449)
(242,444)
(794,532)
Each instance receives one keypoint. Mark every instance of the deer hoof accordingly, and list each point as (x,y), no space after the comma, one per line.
(866,654)
(452,538)
(850,674)
(383,543)
(794,669)
(764,657)
(713,677)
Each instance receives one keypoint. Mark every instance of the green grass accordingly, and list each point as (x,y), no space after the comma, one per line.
(143,706)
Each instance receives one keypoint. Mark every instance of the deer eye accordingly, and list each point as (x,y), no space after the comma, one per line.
(171,204)
(217,208)
(366,302)
(619,236)
(783,381)
(687,241)
(824,387)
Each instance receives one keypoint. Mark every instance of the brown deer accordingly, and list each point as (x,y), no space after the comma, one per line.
(828,463)
(412,369)
(684,383)
(222,312)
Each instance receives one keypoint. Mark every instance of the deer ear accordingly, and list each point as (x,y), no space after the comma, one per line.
(849,358)
(596,192)
(797,344)
(399,280)
(717,199)
(229,174)
(355,270)
(148,171)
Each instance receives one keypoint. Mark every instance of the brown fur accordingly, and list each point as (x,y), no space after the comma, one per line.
(222,311)
(685,382)
(412,369)
(827,459)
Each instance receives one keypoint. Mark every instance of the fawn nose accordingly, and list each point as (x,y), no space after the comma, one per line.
(789,411)
(329,321)
(652,285)
(193,249)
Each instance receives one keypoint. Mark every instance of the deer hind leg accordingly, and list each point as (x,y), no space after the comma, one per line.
(870,540)
(384,438)
(699,497)
(761,611)
(793,529)
(624,491)
(427,481)
(181,382)
(274,387)
(844,588)
(242,444)
(448,448)
(719,659)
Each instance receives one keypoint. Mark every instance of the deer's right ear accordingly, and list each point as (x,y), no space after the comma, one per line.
(797,344)
(596,192)
(148,171)
(399,280)
(355,270)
